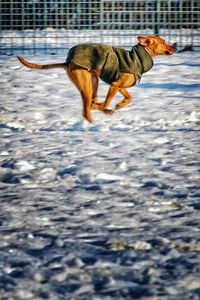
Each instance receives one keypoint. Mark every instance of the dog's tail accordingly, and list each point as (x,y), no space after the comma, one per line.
(36,66)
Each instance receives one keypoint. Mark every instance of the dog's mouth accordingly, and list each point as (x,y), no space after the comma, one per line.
(169,52)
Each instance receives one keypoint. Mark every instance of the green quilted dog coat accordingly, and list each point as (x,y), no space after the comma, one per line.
(111,60)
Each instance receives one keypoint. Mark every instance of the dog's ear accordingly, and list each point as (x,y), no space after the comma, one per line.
(145,40)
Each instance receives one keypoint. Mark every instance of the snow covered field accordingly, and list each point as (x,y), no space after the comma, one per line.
(102,211)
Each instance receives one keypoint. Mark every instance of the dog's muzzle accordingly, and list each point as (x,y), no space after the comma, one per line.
(169,51)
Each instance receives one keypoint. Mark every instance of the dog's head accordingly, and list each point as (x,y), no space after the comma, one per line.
(155,45)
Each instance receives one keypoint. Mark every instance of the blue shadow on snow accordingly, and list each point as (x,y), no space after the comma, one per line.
(169,86)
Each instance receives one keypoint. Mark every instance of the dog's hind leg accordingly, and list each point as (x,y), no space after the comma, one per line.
(127,99)
(83,81)
(95,84)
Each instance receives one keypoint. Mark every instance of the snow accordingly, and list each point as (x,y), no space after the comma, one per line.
(102,211)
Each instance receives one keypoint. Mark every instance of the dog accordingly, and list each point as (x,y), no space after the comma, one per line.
(119,68)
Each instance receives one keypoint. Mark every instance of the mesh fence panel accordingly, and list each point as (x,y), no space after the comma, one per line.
(53,25)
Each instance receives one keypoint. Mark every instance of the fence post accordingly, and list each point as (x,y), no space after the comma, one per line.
(102,20)
(157,17)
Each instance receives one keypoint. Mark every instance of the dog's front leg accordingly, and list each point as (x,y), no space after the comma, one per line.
(114,88)
(127,99)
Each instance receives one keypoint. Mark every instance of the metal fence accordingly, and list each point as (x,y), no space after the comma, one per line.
(53,25)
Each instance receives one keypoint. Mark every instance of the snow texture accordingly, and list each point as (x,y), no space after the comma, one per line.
(102,211)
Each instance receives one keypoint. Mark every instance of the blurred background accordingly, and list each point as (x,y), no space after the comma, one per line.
(54,25)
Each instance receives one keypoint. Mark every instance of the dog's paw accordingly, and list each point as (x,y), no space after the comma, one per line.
(108,111)
(99,106)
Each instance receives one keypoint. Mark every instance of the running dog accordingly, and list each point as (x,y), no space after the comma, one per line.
(119,68)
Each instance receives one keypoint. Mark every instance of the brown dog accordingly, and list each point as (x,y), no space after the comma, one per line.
(116,66)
